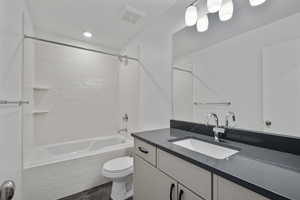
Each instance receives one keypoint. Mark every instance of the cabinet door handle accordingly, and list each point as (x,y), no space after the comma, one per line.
(181,194)
(268,123)
(143,150)
(171,191)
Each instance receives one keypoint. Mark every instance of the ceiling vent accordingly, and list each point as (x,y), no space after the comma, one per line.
(131,15)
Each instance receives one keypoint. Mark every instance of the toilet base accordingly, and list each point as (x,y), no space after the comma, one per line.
(122,188)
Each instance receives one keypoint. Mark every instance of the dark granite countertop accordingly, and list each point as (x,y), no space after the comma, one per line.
(273,174)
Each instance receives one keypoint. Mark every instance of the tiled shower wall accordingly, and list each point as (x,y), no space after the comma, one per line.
(76,94)
(82,99)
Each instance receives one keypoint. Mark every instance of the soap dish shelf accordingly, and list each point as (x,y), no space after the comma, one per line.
(39,112)
(41,87)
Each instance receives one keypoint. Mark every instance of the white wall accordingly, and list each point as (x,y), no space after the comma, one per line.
(281,91)
(183,93)
(155,82)
(154,49)
(233,68)
(11,51)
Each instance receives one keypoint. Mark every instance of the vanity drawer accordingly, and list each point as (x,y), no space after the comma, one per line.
(195,178)
(145,151)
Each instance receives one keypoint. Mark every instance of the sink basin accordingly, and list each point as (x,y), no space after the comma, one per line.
(208,149)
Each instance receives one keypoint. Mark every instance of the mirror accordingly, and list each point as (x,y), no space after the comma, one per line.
(249,65)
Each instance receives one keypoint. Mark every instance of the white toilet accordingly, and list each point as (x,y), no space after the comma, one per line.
(120,170)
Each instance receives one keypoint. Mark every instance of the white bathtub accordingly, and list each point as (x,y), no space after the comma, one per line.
(59,170)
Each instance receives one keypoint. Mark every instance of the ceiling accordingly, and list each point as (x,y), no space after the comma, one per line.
(245,18)
(104,18)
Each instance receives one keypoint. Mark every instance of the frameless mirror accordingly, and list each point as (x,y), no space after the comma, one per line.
(249,65)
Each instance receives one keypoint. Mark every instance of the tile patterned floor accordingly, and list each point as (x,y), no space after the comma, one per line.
(98,193)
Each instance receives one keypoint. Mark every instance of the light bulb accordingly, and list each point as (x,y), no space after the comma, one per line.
(226,11)
(256,2)
(202,23)
(214,5)
(87,34)
(191,15)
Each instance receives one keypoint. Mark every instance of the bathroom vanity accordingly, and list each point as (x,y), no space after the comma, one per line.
(166,170)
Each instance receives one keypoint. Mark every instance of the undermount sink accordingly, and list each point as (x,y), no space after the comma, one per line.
(208,149)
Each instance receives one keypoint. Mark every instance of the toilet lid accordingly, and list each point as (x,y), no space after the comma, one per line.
(118,164)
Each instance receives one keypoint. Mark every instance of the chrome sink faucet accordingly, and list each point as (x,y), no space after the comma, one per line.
(217,130)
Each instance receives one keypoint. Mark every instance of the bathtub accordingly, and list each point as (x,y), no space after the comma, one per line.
(55,171)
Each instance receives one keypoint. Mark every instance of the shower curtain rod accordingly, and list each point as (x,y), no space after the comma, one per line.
(82,48)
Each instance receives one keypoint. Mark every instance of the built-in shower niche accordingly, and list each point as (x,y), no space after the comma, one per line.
(39,92)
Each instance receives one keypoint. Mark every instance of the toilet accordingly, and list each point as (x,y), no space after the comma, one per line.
(120,170)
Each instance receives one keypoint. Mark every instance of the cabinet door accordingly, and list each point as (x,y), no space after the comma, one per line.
(152,184)
(186,194)
(227,190)
(191,176)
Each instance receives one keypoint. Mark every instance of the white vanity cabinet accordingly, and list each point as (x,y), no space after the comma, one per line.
(194,178)
(167,183)
(159,175)
(152,184)
(227,190)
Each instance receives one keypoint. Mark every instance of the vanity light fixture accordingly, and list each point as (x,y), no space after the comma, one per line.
(202,22)
(226,11)
(87,34)
(197,13)
(191,15)
(256,2)
(214,5)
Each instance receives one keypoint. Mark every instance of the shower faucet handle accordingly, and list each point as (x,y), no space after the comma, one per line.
(125,117)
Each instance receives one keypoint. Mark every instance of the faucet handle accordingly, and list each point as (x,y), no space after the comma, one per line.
(215,116)
(233,117)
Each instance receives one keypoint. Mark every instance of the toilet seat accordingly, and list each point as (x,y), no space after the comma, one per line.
(118,167)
